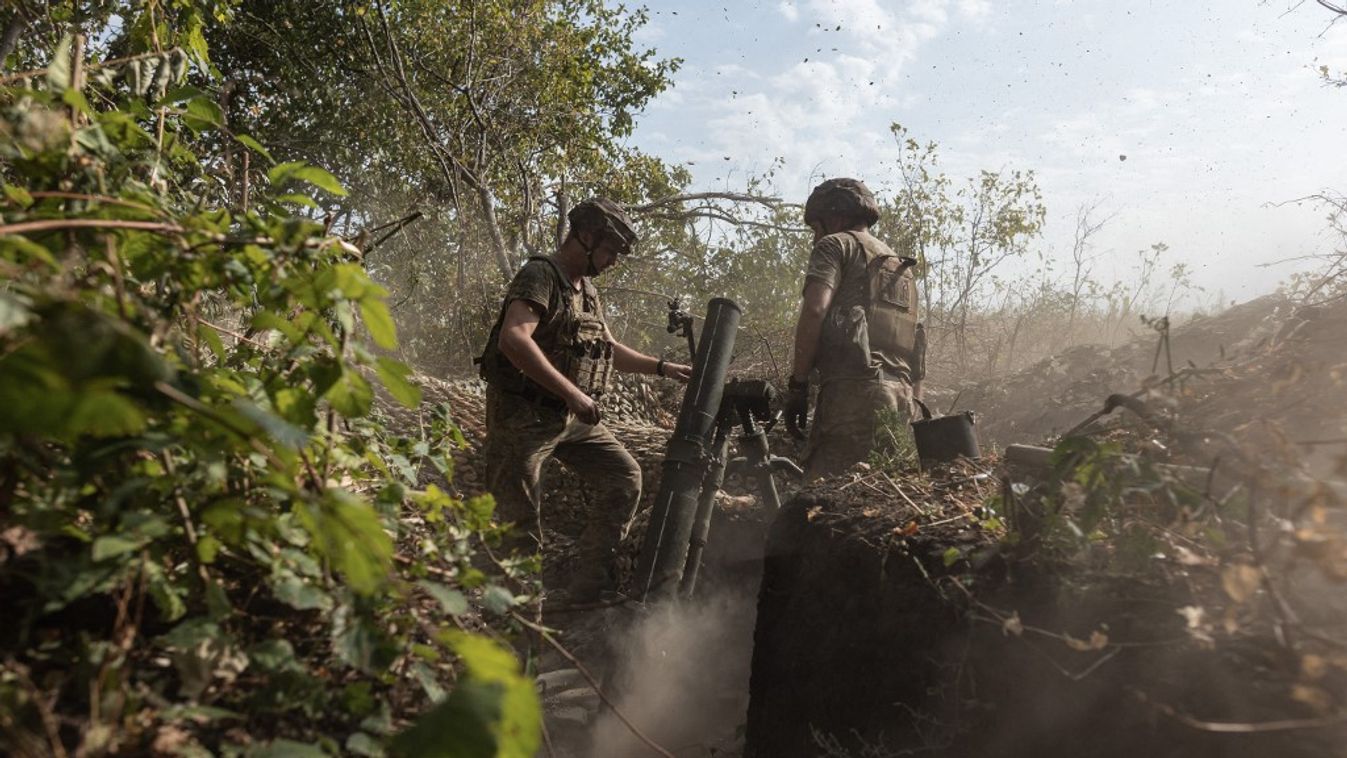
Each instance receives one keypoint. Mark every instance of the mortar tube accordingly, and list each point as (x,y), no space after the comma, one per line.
(701,525)
(659,570)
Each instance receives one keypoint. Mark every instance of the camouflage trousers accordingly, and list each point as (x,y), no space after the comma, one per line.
(522,435)
(846,418)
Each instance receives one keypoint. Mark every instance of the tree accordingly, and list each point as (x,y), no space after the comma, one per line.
(489,118)
(971,231)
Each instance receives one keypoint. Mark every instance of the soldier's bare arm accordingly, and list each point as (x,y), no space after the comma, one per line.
(516,343)
(626,359)
(817,297)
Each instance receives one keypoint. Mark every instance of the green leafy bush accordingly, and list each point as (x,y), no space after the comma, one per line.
(208,537)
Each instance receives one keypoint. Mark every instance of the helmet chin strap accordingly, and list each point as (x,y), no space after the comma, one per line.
(590,268)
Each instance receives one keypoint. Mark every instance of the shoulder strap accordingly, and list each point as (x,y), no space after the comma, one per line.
(870,266)
(562,281)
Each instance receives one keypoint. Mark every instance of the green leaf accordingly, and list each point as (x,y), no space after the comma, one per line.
(58,69)
(212,340)
(492,713)
(16,247)
(348,533)
(394,375)
(379,322)
(477,511)
(303,200)
(459,727)
(103,414)
(113,545)
(295,405)
(275,655)
(300,594)
(18,195)
(272,320)
(452,601)
(276,428)
(498,600)
(255,146)
(351,396)
(360,644)
(167,596)
(202,113)
(321,179)
(951,556)
(76,99)
(192,632)
(282,172)
(429,682)
(207,548)
(363,744)
(196,40)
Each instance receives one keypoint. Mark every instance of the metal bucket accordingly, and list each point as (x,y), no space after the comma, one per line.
(943,439)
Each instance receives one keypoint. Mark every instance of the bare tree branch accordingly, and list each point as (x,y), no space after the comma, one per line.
(734,197)
(397,72)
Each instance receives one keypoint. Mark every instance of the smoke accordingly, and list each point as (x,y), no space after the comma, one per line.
(682,677)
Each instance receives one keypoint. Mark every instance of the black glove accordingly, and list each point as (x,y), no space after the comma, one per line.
(797,408)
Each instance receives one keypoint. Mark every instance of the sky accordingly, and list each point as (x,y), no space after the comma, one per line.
(1189,123)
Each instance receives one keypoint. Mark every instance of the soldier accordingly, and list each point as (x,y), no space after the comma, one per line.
(547,362)
(858,327)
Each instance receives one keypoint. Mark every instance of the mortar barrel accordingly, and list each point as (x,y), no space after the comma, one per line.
(664,552)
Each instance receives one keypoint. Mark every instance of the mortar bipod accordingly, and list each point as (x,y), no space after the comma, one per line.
(750,404)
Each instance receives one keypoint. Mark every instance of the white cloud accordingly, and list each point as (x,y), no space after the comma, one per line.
(1213,125)
(825,112)
(975,9)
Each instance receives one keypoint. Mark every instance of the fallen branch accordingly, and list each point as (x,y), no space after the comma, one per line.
(1240,727)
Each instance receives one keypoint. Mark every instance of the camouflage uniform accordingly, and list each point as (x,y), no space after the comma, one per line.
(526,425)
(859,376)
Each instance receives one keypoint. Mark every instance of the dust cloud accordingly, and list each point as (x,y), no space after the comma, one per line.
(682,677)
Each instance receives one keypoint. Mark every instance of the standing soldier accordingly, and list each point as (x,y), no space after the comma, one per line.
(546,364)
(858,327)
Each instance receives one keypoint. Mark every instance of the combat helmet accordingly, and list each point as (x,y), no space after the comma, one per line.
(604,214)
(848,198)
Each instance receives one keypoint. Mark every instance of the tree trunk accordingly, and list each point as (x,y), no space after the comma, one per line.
(504,261)
(12,34)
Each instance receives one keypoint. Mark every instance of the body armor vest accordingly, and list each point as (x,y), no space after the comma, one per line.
(891,303)
(578,347)
(880,333)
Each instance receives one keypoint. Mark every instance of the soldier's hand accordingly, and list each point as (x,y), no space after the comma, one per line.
(584,407)
(678,371)
(797,408)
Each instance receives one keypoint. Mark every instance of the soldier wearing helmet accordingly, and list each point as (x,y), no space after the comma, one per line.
(858,330)
(547,363)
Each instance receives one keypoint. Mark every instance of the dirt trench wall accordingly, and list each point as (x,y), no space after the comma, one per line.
(857,653)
